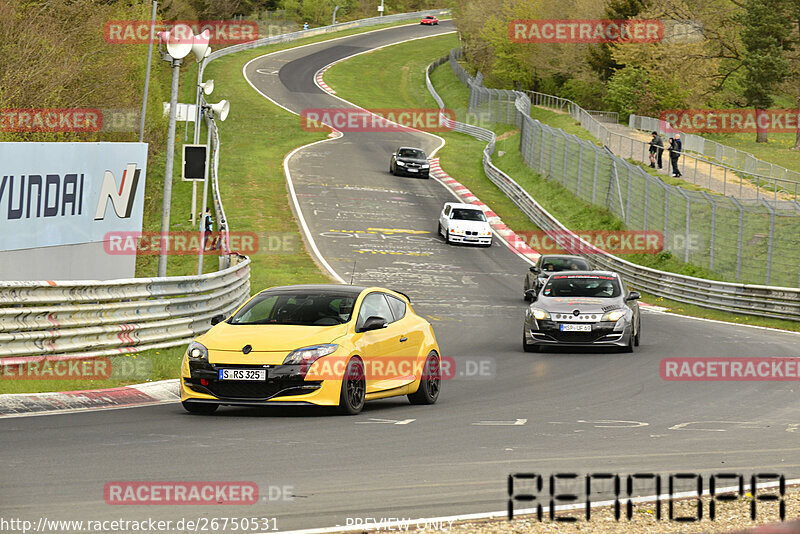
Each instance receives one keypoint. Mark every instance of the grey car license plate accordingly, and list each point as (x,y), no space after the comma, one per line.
(576,328)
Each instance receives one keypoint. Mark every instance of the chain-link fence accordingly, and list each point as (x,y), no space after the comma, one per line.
(746,239)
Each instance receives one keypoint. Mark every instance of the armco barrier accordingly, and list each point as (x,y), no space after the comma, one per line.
(767,301)
(84,319)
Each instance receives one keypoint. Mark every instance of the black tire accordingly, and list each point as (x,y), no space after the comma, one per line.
(391,170)
(431,382)
(527,347)
(638,337)
(199,407)
(354,388)
(446,237)
(526,297)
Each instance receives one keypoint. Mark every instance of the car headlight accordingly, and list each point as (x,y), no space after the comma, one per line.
(197,351)
(308,355)
(613,315)
(539,314)
(456,231)
(401,163)
(486,233)
(425,166)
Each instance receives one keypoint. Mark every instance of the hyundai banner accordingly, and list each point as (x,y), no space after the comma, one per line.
(55,194)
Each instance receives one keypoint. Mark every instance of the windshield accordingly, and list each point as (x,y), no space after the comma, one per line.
(411,153)
(320,309)
(468,215)
(555,264)
(581,285)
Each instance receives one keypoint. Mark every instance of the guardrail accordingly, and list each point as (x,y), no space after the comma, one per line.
(86,319)
(767,301)
(761,172)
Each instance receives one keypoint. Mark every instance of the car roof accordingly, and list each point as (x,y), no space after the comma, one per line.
(563,256)
(336,289)
(321,288)
(410,148)
(587,273)
(461,205)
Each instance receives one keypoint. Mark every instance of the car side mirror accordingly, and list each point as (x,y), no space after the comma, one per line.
(531,294)
(633,295)
(217,319)
(373,323)
(394,153)
(534,269)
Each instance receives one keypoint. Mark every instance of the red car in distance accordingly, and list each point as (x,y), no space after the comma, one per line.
(430,20)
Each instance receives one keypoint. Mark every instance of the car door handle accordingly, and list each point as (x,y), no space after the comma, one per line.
(403,339)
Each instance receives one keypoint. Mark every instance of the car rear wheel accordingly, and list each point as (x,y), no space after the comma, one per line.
(199,407)
(430,383)
(354,388)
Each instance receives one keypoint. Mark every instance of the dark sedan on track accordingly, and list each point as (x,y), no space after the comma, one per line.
(583,309)
(410,161)
(537,274)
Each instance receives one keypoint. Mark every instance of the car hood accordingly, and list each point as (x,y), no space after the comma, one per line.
(268,337)
(582,304)
(472,226)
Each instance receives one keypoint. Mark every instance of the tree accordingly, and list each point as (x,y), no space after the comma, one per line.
(600,56)
(765,35)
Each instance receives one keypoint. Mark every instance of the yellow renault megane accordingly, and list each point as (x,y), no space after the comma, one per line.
(327,345)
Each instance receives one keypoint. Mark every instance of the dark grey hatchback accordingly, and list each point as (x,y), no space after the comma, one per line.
(410,161)
(583,309)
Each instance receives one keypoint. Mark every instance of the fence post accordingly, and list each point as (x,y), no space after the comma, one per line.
(594,175)
(566,156)
(739,240)
(771,238)
(687,224)
(712,238)
(646,201)
(666,212)
(580,170)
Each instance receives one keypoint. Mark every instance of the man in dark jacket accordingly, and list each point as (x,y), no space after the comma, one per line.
(656,149)
(674,155)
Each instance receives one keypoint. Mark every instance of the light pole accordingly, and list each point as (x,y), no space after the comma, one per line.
(180,42)
(220,110)
(147,72)
(204,88)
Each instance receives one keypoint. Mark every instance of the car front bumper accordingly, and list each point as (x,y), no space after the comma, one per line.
(405,172)
(285,384)
(471,239)
(603,334)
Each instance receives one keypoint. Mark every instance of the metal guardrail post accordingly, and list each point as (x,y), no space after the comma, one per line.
(739,239)
(686,224)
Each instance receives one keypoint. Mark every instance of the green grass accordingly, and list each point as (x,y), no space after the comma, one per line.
(777,150)
(461,157)
(254,139)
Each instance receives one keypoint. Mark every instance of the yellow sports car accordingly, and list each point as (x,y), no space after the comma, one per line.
(328,345)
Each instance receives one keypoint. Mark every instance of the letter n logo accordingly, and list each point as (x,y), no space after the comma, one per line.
(122,200)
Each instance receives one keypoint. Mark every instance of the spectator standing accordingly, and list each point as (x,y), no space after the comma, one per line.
(674,156)
(656,150)
(208,226)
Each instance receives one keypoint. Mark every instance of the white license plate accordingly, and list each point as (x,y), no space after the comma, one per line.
(413,170)
(243,374)
(576,328)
